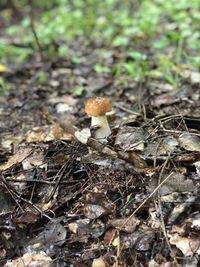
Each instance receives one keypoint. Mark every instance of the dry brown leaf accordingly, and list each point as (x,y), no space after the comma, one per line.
(40,134)
(48,133)
(189,142)
(194,221)
(47,206)
(18,157)
(19,186)
(188,245)
(126,224)
(130,138)
(39,259)
(179,229)
(110,236)
(98,263)
(177,183)
(35,159)
(70,100)
(9,140)
(28,217)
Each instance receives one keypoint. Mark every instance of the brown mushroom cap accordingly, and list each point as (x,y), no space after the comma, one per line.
(97,106)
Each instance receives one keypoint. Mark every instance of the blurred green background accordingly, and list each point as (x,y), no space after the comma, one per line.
(148,37)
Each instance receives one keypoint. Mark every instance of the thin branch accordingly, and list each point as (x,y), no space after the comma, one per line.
(60,175)
(40,48)
(16,197)
(161,213)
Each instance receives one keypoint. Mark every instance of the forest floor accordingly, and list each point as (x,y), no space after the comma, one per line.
(133,201)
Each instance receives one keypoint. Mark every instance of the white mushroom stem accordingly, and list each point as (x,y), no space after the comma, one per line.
(103,129)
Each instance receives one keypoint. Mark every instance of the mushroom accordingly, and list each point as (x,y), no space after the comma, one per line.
(96,107)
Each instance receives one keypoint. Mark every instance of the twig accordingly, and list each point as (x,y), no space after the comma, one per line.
(152,193)
(146,199)
(60,176)
(161,213)
(127,110)
(102,148)
(15,196)
(165,232)
(122,155)
(40,48)
(40,181)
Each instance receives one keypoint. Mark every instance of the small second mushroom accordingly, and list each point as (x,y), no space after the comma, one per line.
(96,107)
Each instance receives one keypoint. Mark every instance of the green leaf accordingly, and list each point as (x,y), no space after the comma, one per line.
(76,60)
(4,90)
(121,41)
(79,90)
(99,68)
(137,55)
(161,43)
(196,61)
(62,51)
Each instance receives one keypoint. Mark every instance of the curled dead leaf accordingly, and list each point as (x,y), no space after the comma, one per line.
(188,245)
(39,259)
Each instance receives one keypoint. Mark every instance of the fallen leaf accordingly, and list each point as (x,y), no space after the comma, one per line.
(21,154)
(53,234)
(178,183)
(92,211)
(39,259)
(28,217)
(98,263)
(130,138)
(63,107)
(48,133)
(189,142)
(34,159)
(188,245)
(126,224)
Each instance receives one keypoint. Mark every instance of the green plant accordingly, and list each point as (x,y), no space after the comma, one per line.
(136,66)
(4,89)
(78,90)
(99,68)
(8,52)
(167,27)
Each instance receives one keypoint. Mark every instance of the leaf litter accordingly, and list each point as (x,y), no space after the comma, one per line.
(131,202)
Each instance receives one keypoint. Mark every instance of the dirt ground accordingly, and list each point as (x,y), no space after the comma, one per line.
(133,201)
(130,201)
